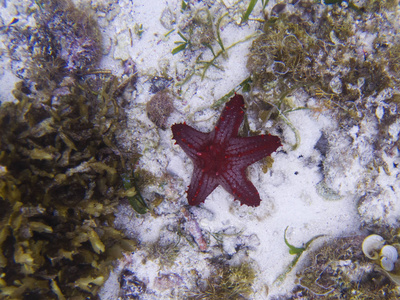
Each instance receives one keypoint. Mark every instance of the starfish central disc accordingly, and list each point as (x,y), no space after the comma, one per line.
(213,159)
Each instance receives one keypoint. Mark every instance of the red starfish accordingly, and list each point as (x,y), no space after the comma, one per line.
(221,156)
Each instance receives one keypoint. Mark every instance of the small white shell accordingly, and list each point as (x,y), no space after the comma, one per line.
(371,246)
(387,264)
(390,253)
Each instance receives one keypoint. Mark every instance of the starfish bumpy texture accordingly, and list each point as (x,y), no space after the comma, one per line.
(221,156)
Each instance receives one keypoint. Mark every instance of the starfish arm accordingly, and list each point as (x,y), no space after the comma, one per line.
(244,151)
(230,120)
(236,183)
(201,185)
(189,139)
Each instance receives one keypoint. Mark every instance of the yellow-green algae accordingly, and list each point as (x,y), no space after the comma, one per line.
(59,185)
(61,165)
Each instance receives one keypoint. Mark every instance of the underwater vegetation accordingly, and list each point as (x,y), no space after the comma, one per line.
(297,252)
(65,41)
(331,58)
(61,165)
(338,269)
(198,36)
(59,185)
(333,52)
(197,32)
(72,34)
(350,267)
(227,282)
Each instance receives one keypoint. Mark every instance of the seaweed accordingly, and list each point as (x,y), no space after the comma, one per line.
(133,194)
(227,282)
(61,163)
(60,183)
(297,251)
(73,34)
(250,8)
(200,32)
(316,50)
(338,269)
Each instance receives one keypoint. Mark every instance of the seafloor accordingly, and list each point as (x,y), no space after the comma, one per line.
(322,75)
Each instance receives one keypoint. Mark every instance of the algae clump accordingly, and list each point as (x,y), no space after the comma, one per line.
(61,166)
(59,186)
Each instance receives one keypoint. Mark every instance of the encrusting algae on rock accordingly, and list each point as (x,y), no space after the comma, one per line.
(338,269)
